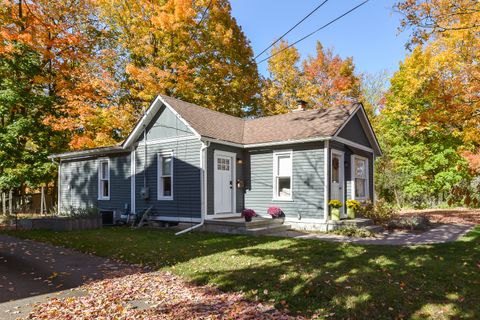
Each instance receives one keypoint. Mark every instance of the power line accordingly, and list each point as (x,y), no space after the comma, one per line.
(296,25)
(315,31)
(204,13)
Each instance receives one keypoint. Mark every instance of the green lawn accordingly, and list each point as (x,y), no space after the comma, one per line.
(306,276)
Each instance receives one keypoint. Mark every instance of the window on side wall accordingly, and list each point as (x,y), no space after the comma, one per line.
(360,174)
(104,180)
(165,176)
(282,175)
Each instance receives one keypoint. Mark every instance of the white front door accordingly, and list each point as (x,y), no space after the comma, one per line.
(223,179)
(337,180)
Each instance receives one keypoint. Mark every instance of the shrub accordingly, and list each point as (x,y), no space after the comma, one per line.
(249,213)
(335,203)
(275,212)
(353,204)
(353,232)
(380,212)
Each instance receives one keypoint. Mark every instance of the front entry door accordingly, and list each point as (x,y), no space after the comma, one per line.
(337,180)
(224,165)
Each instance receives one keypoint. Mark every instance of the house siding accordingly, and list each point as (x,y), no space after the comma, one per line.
(186,201)
(79,183)
(308,181)
(353,131)
(240,175)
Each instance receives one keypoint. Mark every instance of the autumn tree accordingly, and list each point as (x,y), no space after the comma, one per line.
(429,127)
(449,35)
(323,80)
(329,80)
(193,50)
(281,90)
(76,54)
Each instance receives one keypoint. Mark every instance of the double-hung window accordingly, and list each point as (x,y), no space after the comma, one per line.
(104,180)
(282,175)
(165,176)
(360,174)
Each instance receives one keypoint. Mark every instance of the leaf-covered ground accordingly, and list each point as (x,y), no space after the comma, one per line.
(460,215)
(153,295)
(307,277)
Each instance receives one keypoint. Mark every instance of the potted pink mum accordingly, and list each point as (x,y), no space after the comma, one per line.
(275,212)
(248,214)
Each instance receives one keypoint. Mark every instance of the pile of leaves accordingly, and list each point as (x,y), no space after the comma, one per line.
(154,295)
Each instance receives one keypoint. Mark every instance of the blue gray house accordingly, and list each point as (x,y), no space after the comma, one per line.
(192,164)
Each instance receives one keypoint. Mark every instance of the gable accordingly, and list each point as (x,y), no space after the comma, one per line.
(355,132)
(164,125)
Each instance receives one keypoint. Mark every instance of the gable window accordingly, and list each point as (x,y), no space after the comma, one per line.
(282,175)
(360,174)
(104,180)
(165,176)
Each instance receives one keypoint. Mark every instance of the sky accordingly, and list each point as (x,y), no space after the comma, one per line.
(369,34)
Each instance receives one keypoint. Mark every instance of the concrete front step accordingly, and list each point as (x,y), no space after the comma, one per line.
(257,226)
(267,230)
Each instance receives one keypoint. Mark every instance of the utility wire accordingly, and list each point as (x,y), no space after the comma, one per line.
(296,25)
(315,31)
(204,13)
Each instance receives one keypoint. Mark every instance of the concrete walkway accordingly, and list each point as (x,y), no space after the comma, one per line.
(32,272)
(438,234)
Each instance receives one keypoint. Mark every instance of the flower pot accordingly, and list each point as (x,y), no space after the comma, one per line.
(335,214)
(248,219)
(350,213)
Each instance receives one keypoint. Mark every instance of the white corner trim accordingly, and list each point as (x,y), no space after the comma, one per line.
(132,181)
(352,175)
(161,155)
(326,180)
(203,179)
(99,168)
(276,153)
(353,144)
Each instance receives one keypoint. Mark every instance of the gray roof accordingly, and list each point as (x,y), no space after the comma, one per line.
(291,126)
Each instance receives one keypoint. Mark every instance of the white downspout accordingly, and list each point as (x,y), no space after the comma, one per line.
(203,188)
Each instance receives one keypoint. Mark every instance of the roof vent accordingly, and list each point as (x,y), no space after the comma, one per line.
(301,105)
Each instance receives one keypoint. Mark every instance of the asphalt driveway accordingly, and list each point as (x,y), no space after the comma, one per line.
(31,271)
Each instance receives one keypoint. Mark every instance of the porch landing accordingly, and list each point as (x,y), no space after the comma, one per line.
(237,225)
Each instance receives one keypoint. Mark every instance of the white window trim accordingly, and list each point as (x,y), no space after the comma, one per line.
(367,178)
(274,175)
(160,175)
(99,172)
